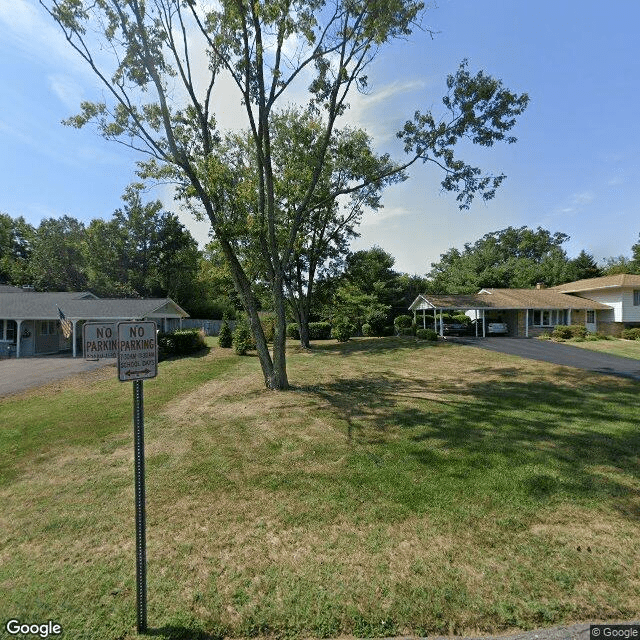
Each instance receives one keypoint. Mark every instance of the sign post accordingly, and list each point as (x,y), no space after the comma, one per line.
(138,360)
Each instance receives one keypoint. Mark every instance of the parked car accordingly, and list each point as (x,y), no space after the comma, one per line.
(455,328)
(493,328)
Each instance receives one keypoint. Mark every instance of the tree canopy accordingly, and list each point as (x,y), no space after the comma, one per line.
(512,257)
(147,53)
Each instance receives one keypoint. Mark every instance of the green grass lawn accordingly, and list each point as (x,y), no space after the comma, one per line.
(614,346)
(398,488)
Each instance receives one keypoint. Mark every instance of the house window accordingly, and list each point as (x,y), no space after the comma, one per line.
(636,298)
(10,334)
(547,317)
(48,328)
(591,317)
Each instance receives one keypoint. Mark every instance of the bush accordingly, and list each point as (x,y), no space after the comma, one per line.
(242,339)
(367,331)
(631,334)
(180,343)
(565,332)
(426,334)
(341,330)
(293,331)
(403,322)
(319,330)
(225,337)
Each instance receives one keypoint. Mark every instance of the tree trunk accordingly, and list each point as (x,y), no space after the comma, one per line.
(303,327)
(272,371)
(280,380)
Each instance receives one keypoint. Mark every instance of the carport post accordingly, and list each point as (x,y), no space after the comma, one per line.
(18,336)
(526,324)
(435,320)
(424,318)
(73,337)
(476,323)
(484,328)
(441,325)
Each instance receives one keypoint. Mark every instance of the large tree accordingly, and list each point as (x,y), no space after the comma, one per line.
(158,106)
(512,257)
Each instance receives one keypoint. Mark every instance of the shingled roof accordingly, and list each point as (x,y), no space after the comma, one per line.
(84,306)
(606,282)
(506,299)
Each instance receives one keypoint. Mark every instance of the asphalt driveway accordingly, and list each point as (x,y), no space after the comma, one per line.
(17,375)
(558,353)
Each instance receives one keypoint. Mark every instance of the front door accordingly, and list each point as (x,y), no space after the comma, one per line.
(591,323)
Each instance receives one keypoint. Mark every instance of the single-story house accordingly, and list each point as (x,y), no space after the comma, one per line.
(30,321)
(608,304)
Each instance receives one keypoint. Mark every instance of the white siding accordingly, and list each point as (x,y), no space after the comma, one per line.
(629,312)
(614,298)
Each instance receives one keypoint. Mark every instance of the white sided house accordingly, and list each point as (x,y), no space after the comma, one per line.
(607,305)
(30,321)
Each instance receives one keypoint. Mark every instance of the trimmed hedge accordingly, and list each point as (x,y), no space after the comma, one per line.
(293,331)
(566,332)
(319,330)
(631,334)
(180,343)
(426,334)
(403,322)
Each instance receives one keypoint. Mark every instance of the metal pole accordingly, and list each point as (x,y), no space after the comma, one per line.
(141,543)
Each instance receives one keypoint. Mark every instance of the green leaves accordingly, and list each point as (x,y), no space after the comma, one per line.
(480,110)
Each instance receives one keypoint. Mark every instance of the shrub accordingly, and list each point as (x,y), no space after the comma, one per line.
(293,331)
(562,331)
(181,342)
(565,332)
(341,330)
(631,334)
(242,339)
(426,334)
(268,323)
(376,317)
(225,337)
(461,318)
(367,331)
(403,322)
(319,330)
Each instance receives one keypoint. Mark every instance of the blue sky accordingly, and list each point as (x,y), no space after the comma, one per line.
(574,168)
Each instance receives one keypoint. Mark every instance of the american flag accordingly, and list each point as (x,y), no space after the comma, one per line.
(67,325)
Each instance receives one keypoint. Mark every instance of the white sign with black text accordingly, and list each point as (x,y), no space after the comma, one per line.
(137,350)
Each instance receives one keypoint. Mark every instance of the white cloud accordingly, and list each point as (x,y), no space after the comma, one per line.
(68,91)
(375,218)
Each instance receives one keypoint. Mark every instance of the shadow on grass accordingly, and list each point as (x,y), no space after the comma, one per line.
(179,632)
(372,346)
(576,438)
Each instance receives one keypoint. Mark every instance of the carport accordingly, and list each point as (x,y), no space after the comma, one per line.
(527,312)
(436,305)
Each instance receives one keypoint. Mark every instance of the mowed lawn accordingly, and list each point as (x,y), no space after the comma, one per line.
(399,488)
(613,346)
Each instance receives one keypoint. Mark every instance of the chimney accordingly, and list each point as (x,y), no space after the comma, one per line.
(540,285)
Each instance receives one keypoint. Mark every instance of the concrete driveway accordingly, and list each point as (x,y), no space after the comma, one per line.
(17,375)
(558,353)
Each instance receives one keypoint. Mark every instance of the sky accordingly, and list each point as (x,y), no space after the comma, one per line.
(574,169)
